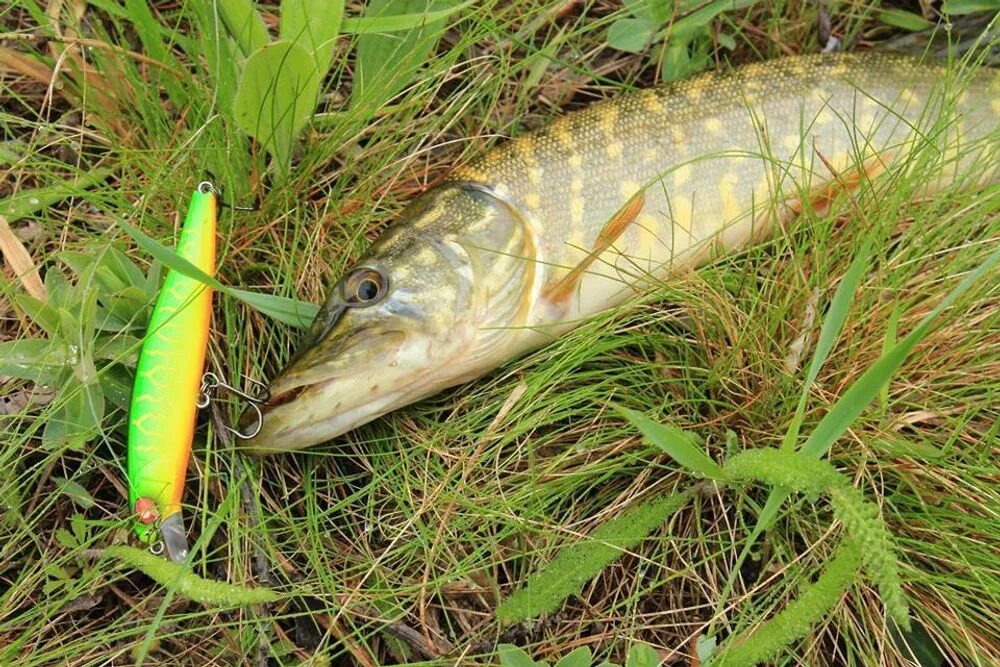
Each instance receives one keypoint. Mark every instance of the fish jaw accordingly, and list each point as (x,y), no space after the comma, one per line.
(306,408)
(314,416)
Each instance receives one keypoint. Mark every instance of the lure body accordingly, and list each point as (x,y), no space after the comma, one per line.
(168,375)
(522,244)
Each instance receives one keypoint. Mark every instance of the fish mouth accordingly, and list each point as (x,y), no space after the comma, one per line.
(326,391)
(308,415)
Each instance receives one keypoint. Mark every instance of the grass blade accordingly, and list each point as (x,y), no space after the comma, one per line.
(833,323)
(314,25)
(866,387)
(406,48)
(366,25)
(675,443)
(289,311)
(244,24)
(28,202)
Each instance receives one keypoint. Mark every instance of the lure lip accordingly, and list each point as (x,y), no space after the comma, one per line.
(174,537)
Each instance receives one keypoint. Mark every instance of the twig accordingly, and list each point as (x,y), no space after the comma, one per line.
(92,43)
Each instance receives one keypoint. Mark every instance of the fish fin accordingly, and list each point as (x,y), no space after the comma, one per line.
(560,291)
(822,196)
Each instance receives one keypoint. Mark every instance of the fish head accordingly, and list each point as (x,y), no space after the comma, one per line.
(436,301)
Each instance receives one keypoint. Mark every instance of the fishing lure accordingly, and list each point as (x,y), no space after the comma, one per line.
(165,395)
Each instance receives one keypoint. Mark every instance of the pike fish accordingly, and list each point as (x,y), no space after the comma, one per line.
(522,244)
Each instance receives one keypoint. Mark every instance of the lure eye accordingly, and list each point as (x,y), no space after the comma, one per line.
(364,287)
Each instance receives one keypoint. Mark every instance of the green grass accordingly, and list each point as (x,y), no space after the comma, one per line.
(400,542)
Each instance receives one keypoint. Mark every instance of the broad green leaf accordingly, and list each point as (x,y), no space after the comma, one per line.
(77,418)
(243,23)
(969,6)
(57,288)
(78,262)
(151,285)
(83,343)
(313,25)
(676,61)
(392,22)
(129,306)
(277,97)
(642,655)
(123,267)
(34,359)
(41,312)
(631,35)
(69,324)
(407,50)
(290,311)
(29,202)
(116,383)
(901,18)
(672,441)
(705,647)
(107,280)
(120,347)
(578,657)
(76,493)
(514,656)
(703,15)
(653,11)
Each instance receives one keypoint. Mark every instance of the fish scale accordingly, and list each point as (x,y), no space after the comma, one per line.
(643,140)
(523,243)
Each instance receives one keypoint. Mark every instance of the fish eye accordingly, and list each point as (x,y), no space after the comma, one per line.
(364,287)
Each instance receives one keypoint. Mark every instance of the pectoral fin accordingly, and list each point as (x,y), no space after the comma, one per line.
(559,292)
(822,196)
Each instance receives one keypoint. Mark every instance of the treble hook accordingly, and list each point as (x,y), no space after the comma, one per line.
(206,186)
(210,382)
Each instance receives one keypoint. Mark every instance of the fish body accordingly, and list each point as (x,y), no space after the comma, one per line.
(522,244)
(165,394)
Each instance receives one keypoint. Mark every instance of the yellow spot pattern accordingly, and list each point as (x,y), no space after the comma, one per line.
(682,175)
(628,188)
